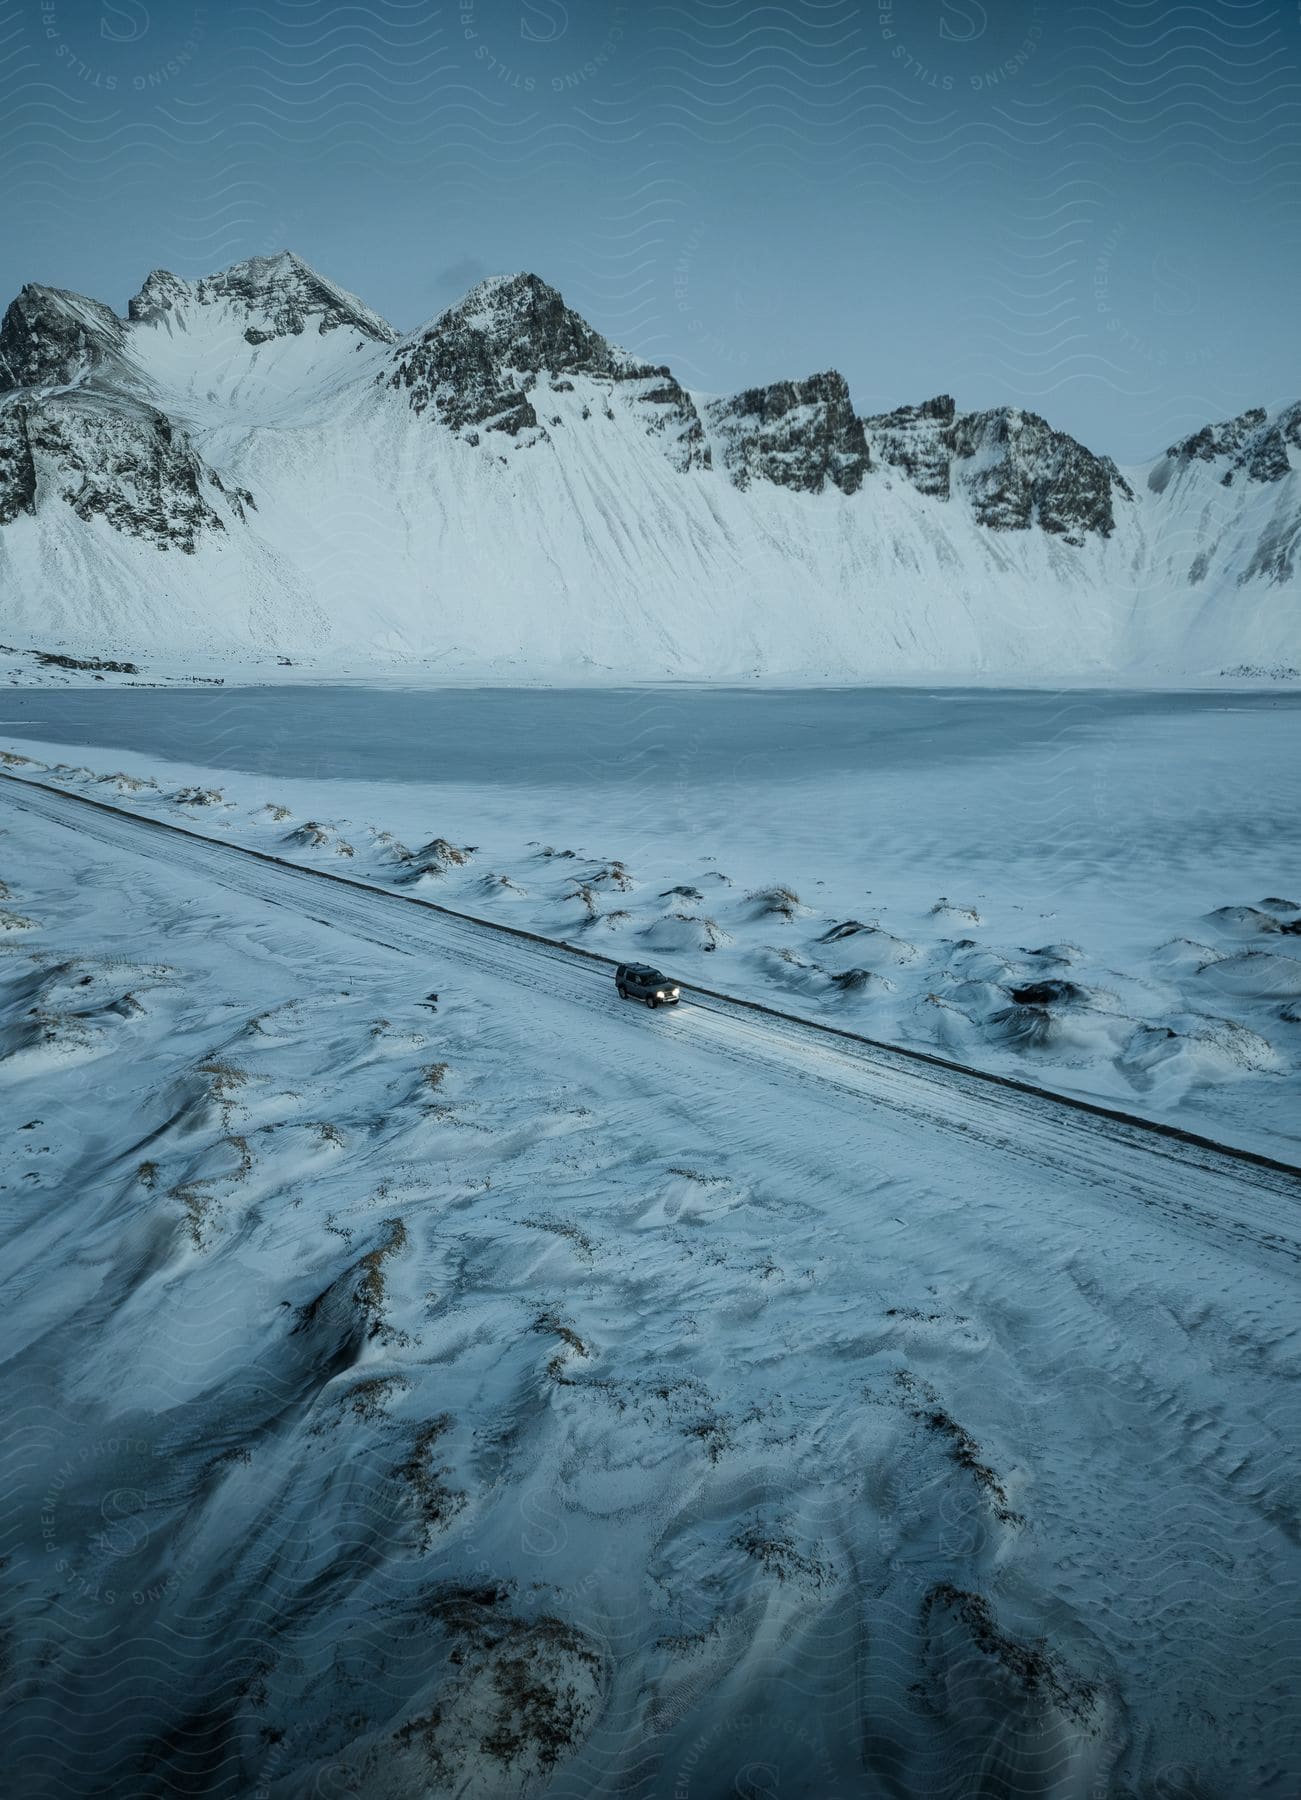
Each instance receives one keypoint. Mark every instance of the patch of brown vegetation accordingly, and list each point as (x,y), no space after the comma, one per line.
(371,1289)
(563,1228)
(554,1326)
(1030,1667)
(436,1502)
(224,1082)
(714,1432)
(530,1668)
(439,850)
(776,1554)
(780,901)
(963,1448)
(199,1203)
(367,1399)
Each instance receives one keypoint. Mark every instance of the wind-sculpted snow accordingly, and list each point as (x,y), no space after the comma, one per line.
(505,490)
(511,1392)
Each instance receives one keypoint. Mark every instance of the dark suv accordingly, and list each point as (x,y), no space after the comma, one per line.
(638,981)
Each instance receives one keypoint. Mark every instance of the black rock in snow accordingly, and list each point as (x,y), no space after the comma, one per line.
(481,364)
(278,296)
(918,441)
(1019,472)
(1012,467)
(90,418)
(796,434)
(51,338)
(17,467)
(115,460)
(1253,444)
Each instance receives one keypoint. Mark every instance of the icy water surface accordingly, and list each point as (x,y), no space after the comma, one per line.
(554,737)
(1081,802)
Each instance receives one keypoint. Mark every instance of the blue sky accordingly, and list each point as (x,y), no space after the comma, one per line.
(1093,210)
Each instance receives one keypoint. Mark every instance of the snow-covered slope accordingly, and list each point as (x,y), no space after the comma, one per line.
(255,461)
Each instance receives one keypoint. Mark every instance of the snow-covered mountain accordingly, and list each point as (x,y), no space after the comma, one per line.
(257,462)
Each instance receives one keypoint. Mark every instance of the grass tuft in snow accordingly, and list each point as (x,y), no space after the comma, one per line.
(436,1503)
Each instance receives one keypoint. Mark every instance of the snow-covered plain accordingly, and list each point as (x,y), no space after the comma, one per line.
(1095,891)
(519,1393)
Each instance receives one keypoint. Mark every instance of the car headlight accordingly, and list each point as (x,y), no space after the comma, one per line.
(661,995)
(676,992)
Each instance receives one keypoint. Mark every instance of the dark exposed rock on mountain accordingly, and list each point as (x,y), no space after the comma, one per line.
(1253,444)
(482,364)
(50,338)
(122,462)
(1019,472)
(505,488)
(918,441)
(278,296)
(1012,467)
(17,467)
(796,434)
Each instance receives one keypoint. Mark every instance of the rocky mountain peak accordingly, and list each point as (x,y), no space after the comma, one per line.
(1018,471)
(271,296)
(1012,466)
(526,325)
(1255,444)
(493,361)
(515,325)
(797,434)
(50,338)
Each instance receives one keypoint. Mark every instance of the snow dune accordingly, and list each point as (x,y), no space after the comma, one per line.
(519,1392)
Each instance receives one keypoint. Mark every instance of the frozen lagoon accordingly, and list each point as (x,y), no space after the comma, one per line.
(1146,785)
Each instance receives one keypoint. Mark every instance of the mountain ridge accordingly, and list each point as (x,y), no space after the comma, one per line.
(244,421)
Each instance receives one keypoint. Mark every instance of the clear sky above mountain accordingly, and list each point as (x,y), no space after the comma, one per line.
(1092,210)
